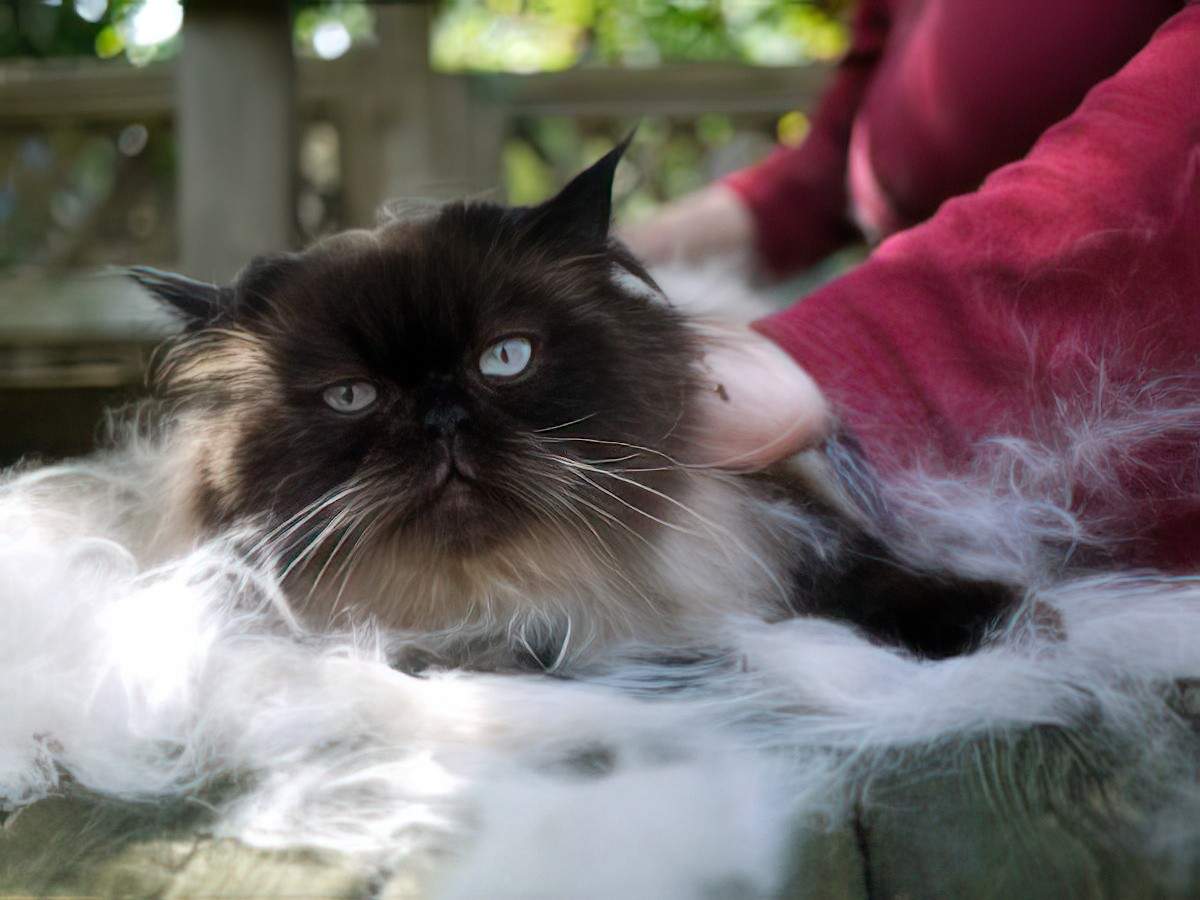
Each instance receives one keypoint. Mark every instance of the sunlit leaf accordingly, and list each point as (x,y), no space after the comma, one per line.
(109,42)
(792,128)
(526,178)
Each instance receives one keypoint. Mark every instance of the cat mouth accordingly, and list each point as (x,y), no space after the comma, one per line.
(454,488)
(451,474)
(456,515)
(457,511)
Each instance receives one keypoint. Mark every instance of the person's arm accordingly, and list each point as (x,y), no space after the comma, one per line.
(1086,254)
(790,210)
(797,197)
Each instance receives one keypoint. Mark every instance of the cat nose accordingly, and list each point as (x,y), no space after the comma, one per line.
(444,419)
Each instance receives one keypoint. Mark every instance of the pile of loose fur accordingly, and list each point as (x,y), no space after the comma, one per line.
(135,678)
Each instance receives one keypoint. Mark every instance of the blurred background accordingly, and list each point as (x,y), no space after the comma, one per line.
(193,135)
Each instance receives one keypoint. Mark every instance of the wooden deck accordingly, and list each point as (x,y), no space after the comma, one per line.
(1044,814)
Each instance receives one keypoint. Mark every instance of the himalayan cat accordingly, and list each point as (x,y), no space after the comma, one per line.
(475,426)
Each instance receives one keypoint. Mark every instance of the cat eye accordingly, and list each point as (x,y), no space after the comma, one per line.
(349,396)
(506,358)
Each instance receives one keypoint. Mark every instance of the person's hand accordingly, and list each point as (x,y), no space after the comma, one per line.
(758,405)
(711,223)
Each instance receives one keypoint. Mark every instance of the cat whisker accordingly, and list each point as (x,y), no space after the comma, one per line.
(564,504)
(299,522)
(330,527)
(714,529)
(625,444)
(730,463)
(565,424)
(551,506)
(346,567)
(725,463)
(297,519)
(580,468)
(347,534)
(568,502)
(313,545)
(614,566)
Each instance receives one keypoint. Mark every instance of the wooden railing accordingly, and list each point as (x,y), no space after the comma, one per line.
(403,131)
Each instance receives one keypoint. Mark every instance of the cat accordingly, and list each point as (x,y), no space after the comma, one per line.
(476,426)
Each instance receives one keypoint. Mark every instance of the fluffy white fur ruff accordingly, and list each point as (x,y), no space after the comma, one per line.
(142,680)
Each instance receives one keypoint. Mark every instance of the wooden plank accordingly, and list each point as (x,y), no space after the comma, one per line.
(45,92)
(1048,814)
(87,847)
(826,864)
(97,90)
(1044,814)
(666,90)
(100,308)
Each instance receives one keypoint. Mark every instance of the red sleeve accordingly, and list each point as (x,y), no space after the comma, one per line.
(1078,264)
(797,196)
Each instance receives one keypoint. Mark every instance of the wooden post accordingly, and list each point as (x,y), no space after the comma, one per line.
(412,133)
(235,128)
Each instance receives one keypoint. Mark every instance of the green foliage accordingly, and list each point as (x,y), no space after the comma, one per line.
(33,28)
(471,35)
(547,35)
(103,28)
(110,28)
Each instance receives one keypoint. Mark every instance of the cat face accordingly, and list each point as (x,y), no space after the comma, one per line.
(445,385)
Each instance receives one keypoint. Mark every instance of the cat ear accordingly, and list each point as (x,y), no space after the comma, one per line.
(197,302)
(583,209)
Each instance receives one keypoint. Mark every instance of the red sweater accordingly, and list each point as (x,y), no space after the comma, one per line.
(1076,265)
